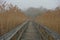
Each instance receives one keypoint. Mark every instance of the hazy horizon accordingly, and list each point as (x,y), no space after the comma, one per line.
(24,4)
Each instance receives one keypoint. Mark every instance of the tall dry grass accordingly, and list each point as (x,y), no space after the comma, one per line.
(9,19)
(50,19)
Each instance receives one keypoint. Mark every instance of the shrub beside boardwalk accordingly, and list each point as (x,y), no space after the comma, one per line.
(9,19)
(50,19)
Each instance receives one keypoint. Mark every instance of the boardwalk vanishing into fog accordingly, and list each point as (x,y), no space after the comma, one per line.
(19,19)
(30,30)
(31,33)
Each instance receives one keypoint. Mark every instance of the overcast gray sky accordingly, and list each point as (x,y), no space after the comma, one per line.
(24,4)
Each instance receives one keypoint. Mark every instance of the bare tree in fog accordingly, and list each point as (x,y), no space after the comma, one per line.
(2,6)
(33,12)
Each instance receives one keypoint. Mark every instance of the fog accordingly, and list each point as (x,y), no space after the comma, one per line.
(34,7)
(25,4)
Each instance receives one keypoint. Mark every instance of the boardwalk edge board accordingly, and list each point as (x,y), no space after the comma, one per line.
(55,35)
(10,34)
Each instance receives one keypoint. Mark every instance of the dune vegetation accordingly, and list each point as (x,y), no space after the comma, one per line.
(10,18)
(50,19)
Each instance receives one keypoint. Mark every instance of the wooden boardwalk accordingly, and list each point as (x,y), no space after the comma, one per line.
(30,30)
(31,33)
